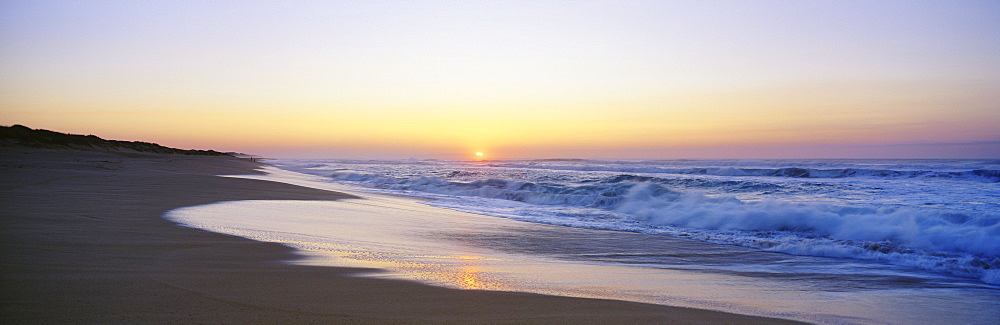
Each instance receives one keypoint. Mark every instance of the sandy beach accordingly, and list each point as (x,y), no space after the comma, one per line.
(84,241)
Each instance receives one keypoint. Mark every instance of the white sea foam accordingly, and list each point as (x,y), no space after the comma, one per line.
(940,216)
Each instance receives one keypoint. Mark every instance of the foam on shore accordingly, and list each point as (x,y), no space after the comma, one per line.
(468,251)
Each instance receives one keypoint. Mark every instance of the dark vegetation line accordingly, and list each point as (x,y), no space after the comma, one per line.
(22,136)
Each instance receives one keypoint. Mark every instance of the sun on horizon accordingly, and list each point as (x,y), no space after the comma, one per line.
(479,154)
(529,79)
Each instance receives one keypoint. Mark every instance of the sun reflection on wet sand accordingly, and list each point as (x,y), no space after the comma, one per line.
(470,274)
(464,272)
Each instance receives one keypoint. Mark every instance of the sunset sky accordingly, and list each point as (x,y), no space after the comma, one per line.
(512,79)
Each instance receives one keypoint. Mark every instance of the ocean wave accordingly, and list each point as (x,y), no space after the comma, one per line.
(595,196)
(985,175)
(647,199)
(948,243)
(602,192)
(964,244)
(905,228)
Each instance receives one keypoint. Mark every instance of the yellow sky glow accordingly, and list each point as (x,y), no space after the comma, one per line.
(517,81)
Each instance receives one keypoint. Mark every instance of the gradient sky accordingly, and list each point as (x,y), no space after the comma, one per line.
(513,79)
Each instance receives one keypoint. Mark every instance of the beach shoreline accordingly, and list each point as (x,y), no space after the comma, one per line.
(83,240)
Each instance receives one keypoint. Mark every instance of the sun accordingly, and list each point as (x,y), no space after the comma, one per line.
(479,154)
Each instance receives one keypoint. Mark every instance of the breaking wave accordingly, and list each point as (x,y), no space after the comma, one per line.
(964,244)
(956,243)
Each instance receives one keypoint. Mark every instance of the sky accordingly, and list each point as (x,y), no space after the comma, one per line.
(512,79)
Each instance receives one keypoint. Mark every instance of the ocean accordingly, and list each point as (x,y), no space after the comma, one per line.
(940,216)
(893,235)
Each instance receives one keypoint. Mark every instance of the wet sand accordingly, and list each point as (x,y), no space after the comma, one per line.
(83,241)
